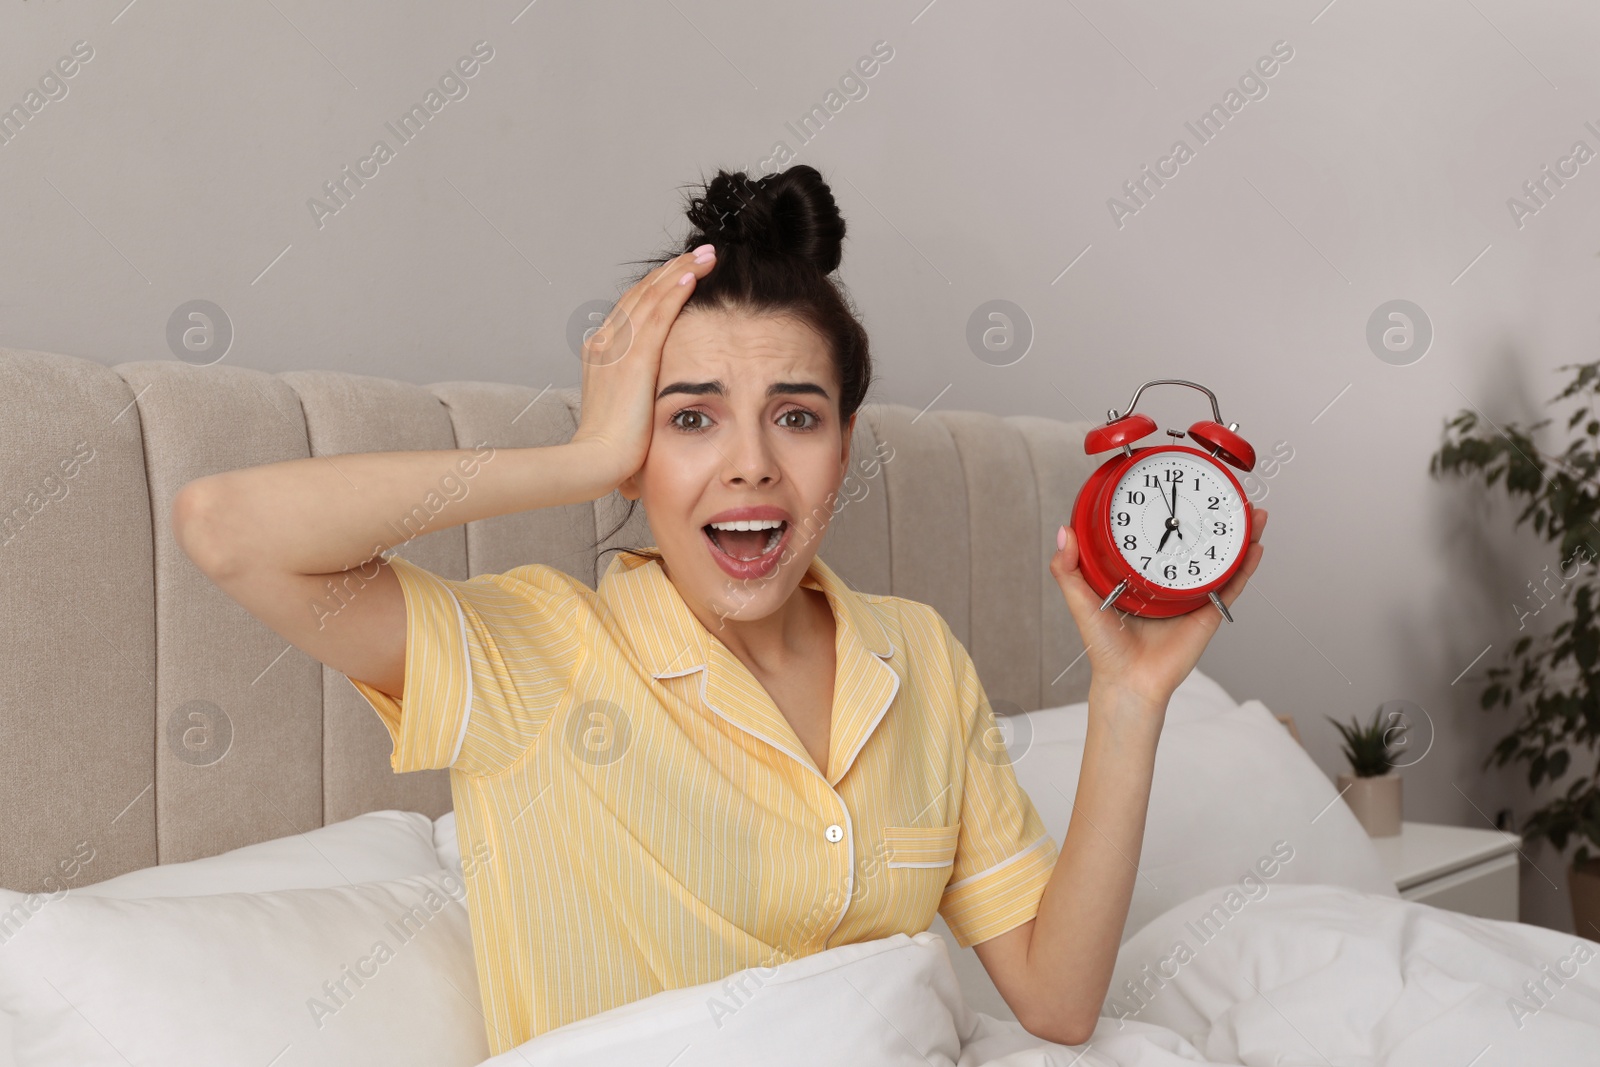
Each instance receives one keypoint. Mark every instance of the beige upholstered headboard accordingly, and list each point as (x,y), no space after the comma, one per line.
(146,715)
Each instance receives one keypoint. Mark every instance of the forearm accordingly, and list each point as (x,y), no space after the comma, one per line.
(1079,926)
(325,514)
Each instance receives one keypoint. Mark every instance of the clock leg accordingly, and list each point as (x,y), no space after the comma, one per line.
(1106,603)
(1215,599)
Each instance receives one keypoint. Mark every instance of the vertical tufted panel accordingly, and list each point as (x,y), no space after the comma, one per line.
(124,661)
(1003,528)
(217,667)
(346,413)
(516,416)
(77,680)
(1060,467)
(930,547)
(856,544)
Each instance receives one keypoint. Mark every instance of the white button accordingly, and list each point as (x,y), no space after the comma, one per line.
(834,832)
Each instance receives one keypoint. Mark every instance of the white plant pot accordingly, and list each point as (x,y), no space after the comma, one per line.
(1375,802)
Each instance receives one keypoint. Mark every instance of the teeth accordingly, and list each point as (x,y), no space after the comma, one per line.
(772,540)
(748,524)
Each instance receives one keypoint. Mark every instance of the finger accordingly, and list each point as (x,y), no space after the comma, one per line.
(659,300)
(644,309)
(1081,599)
(661,284)
(671,272)
(1258,522)
(635,297)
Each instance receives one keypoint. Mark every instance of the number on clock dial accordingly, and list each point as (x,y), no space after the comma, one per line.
(1210,513)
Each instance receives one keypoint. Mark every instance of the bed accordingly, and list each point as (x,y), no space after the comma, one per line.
(208,860)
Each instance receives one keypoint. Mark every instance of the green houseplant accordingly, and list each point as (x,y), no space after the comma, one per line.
(1550,677)
(1373,789)
(1366,747)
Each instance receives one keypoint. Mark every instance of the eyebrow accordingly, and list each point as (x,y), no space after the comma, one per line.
(717,388)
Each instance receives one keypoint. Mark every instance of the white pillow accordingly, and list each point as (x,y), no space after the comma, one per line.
(891,1002)
(1197,697)
(445,847)
(247,978)
(1229,786)
(374,847)
(1230,782)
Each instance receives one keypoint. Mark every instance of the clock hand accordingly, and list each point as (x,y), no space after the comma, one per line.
(1172,517)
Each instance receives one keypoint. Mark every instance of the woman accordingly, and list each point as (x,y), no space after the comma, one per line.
(723,757)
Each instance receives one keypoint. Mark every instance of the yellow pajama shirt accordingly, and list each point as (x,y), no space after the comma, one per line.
(640,816)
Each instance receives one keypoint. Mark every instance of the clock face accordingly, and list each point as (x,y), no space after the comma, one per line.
(1177,520)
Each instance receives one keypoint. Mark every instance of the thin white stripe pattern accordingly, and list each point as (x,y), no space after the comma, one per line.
(466,702)
(689,840)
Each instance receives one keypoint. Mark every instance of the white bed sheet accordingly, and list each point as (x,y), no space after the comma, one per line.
(1303,974)
(1325,974)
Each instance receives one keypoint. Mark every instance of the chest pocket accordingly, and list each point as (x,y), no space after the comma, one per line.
(920,846)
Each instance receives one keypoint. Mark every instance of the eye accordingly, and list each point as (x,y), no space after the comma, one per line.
(815,420)
(696,428)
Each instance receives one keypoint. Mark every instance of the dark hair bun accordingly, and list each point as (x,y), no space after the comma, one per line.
(789,213)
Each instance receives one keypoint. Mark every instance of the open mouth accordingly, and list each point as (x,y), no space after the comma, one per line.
(748,550)
(747,542)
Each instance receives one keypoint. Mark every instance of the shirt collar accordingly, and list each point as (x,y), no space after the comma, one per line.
(670,640)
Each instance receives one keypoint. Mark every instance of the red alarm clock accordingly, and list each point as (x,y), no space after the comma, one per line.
(1161,528)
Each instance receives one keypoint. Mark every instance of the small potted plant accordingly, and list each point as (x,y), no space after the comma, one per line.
(1373,790)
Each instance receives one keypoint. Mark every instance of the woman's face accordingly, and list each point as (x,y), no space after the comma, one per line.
(746,417)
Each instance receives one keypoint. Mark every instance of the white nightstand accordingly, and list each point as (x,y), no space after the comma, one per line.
(1456,867)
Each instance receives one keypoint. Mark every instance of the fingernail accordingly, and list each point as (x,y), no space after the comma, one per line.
(1061,539)
(686,276)
(703,250)
(704,257)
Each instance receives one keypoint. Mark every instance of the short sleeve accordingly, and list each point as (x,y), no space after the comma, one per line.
(1004,856)
(487,661)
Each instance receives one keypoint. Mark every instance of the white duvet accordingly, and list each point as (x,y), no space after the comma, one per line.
(1308,974)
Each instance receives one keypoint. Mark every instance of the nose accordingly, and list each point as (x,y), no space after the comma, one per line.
(750,458)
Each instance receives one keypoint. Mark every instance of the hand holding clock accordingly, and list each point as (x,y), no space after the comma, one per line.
(1145,659)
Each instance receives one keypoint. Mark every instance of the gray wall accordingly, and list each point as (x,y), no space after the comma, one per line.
(975,164)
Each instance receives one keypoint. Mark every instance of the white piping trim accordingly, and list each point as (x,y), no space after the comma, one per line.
(466,654)
(811,766)
(925,863)
(849,844)
(678,674)
(969,879)
(849,841)
(850,757)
